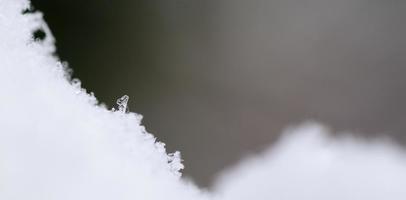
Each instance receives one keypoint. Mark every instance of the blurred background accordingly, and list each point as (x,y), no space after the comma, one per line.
(219,79)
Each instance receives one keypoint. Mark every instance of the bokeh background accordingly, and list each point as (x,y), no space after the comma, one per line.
(219,79)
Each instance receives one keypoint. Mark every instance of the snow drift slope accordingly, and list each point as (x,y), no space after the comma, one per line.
(56,142)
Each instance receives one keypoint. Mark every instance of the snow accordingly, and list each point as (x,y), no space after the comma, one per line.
(58,143)
(308,164)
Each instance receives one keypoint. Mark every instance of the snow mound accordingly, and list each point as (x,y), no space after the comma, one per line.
(307,163)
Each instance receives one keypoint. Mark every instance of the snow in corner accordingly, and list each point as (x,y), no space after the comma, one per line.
(56,142)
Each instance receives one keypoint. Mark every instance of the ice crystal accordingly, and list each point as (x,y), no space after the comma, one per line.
(122,104)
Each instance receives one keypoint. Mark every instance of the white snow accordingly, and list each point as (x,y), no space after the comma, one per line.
(58,143)
(307,164)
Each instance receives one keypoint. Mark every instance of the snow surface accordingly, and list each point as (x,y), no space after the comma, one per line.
(58,143)
(308,164)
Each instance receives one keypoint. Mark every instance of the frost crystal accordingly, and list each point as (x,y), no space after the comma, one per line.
(175,163)
(122,104)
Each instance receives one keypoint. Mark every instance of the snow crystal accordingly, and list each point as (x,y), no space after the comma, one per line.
(122,104)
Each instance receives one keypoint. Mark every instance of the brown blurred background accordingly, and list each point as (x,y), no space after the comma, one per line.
(219,79)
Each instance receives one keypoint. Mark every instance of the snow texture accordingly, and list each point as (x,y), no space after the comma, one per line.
(58,143)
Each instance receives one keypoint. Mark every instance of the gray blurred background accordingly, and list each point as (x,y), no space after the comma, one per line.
(219,79)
